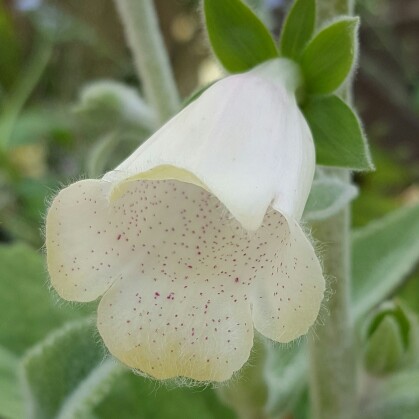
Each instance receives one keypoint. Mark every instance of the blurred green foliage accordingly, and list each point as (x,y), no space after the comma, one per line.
(49,53)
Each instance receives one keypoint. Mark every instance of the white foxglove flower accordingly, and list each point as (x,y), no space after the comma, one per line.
(194,240)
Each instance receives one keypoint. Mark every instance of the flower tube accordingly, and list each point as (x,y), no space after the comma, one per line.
(194,240)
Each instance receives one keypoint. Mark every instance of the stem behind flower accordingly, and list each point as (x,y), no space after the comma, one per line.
(150,57)
(333,368)
(332,355)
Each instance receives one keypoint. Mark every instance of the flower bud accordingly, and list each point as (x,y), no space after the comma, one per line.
(391,339)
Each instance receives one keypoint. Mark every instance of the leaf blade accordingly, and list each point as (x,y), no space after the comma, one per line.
(64,374)
(137,397)
(384,252)
(396,397)
(25,299)
(11,397)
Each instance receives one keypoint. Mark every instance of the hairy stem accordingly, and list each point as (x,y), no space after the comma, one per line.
(333,367)
(332,356)
(150,57)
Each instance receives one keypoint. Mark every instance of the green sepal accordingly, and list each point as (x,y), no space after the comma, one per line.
(337,133)
(298,28)
(238,38)
(329,57)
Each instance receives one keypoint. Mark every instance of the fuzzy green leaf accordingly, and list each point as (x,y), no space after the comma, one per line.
(285,374)
(298,28)
(11,398)
(327,197)
(238,38)
(136,397)
(329,57)
(28,311)
(337,133)
(66,375)
(393,398)
(384,252)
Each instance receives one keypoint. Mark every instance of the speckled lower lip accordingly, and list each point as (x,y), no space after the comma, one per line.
(183,283)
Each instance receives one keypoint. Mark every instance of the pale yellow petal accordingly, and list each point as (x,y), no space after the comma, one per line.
(286,302)
(84,255)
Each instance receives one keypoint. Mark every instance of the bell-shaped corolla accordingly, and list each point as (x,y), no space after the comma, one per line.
(194,240)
